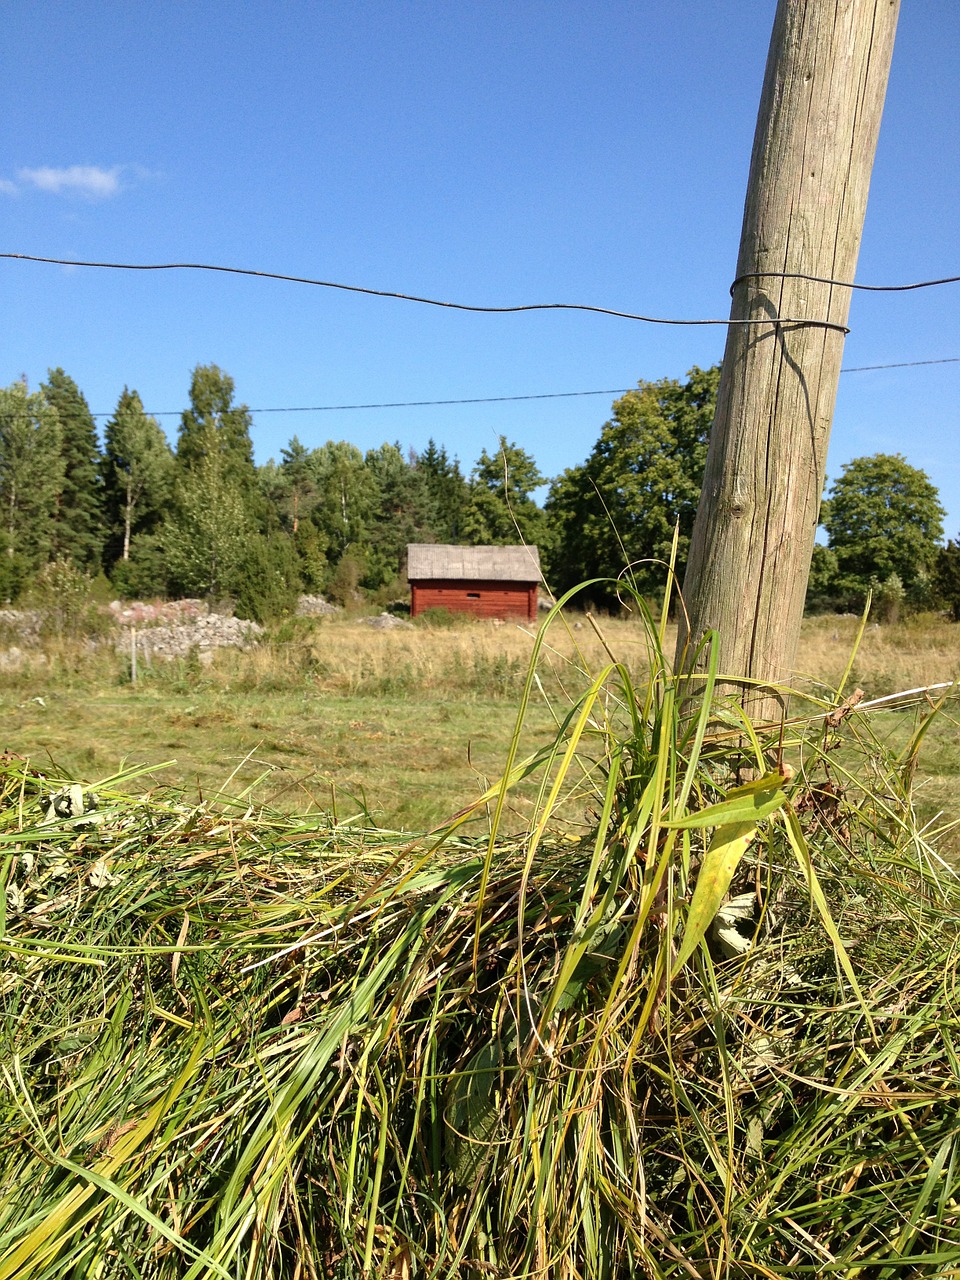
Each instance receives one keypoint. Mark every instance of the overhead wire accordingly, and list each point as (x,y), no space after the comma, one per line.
(843,284)
(536,306)
(545,395)
(412,297)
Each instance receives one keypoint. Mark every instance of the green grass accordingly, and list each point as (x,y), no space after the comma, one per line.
(410,731)
(240,1042)
(408,725)
(410,762)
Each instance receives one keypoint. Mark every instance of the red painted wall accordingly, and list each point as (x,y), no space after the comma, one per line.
(482,599)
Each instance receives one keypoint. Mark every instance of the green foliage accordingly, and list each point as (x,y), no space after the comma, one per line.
(447,493)
(888,597)
(219,511)
(500,510)
(290,488)
(31,480)
(643,477)
(146,572)
(883,517)
(311,548)
(267,581)
(63,596)
(822,582)
(138,475)
(78,532)
(947,577)
(207,538)
(343,586)
(214,426)
(346,497)
(401,516)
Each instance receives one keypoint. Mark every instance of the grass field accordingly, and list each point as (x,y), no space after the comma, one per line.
(408,726)
(716,1036)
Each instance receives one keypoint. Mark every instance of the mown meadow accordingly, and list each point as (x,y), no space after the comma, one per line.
(664,993)
(407,726)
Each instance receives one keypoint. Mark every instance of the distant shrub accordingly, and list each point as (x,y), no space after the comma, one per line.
(267,582)
(63,598)
(144,576)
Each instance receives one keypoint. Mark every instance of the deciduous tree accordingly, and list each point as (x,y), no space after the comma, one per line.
(206,539)
(138,468)
(500,510)
(618,510)
(347,497)
(215,425)
(883,517)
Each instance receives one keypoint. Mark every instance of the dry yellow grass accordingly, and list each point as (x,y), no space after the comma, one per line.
(414,720)
(920,651)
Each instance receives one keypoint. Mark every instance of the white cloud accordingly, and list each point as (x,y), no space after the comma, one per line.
(77,179)
(8,188)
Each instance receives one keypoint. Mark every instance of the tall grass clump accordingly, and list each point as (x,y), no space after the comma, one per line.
(699,1019)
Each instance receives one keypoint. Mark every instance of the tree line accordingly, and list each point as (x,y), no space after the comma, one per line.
(200,518)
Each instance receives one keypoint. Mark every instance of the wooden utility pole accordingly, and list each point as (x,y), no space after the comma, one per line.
(753,539)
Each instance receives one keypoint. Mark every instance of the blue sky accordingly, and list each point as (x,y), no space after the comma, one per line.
(494,153)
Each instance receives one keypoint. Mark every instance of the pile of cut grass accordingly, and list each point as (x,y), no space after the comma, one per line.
(716,1036)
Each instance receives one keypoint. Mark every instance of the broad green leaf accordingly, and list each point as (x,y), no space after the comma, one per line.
(749,803)
(727,847)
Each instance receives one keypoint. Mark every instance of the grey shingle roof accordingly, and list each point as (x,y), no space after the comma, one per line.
(427,560)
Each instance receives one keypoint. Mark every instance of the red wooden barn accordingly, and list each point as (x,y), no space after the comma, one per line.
(489,582)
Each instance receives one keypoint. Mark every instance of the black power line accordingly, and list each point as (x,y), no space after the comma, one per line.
(411,297)
(546,395)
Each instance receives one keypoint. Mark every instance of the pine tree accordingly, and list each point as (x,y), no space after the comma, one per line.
(79,532)
(137,475)
(447,493)
(402,515)
(947,577)
(31,481)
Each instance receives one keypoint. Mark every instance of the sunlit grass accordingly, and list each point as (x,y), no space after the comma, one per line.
(697,1016)
(408,724)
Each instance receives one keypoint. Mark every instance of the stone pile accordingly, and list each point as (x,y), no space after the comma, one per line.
(386,622)
(203,634)
(140,613)
(24,623)
(315,607)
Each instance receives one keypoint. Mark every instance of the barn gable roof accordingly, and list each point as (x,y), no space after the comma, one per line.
(429,560)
